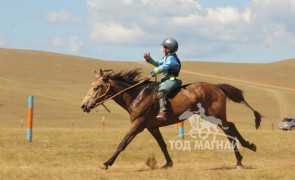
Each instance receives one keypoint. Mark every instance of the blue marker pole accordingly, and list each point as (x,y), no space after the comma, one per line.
(30,118)
(181,129)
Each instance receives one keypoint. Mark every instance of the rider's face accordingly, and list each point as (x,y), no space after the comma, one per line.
(166,51)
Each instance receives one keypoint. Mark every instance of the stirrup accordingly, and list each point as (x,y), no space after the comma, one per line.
(161,116)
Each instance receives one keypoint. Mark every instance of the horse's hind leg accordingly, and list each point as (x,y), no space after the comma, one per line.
(243,142)
(158,136)
(232,138)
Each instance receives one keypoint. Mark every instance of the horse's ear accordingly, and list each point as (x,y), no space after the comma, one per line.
(101,73)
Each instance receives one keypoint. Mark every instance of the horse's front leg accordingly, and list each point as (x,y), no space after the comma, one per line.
(159,138)
(135,128)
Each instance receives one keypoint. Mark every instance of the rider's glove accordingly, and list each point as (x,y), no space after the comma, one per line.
(154,71)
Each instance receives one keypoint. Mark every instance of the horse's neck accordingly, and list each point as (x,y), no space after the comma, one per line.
(126,98)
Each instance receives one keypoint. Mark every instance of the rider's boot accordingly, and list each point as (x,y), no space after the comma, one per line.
(162,101)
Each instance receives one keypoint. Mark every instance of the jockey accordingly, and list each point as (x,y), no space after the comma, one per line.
(170,67)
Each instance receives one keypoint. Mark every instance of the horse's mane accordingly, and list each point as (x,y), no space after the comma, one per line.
(130,77)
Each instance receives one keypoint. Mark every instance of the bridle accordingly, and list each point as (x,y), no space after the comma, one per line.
(108,97)
(104,95)
(96,98)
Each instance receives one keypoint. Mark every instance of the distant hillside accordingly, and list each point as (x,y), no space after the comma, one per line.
(59,82)
(280,73)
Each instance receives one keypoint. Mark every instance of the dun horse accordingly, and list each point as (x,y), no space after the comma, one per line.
(139,99)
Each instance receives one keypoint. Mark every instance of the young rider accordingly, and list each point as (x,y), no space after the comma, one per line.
(170,66)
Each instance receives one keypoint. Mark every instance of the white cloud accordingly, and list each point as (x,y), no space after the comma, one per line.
(210,30)
(72,44)
(57,41)
(133,22)
(61,16)
(75,44)
(112,33)
(224,15)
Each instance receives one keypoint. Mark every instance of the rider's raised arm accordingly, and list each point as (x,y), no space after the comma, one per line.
(155,62)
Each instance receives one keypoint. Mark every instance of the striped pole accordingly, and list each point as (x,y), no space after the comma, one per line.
(30,119)
(181,129)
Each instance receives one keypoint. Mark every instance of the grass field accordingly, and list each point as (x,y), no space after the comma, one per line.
(59,153)
(59,83)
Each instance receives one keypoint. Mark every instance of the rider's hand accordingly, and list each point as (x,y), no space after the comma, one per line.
(147,56)
(153,72)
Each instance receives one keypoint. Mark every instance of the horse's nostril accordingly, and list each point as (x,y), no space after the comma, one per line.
(83,106)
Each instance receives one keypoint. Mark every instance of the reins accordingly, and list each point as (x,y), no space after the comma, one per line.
(118,93)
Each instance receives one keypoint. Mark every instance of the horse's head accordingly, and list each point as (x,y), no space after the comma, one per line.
(97,93)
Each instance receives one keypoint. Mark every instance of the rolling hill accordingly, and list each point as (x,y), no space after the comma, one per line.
(59,83)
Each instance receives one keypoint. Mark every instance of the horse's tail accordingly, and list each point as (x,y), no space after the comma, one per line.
(236,95)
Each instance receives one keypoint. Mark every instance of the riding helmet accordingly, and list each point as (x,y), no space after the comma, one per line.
(171,44)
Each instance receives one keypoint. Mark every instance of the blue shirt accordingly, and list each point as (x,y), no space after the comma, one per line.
(166,63)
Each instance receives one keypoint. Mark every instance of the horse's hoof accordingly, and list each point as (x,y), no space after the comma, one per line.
(103,166)
(240,167)
(168,165)
(253,147)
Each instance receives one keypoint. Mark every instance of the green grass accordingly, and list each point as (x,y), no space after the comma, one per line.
(59,83)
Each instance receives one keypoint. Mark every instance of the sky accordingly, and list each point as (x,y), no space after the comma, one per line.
(247,31)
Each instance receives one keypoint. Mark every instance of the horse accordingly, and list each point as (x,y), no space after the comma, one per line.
(139,99)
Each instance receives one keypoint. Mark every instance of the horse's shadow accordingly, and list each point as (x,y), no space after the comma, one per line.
(224,167)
